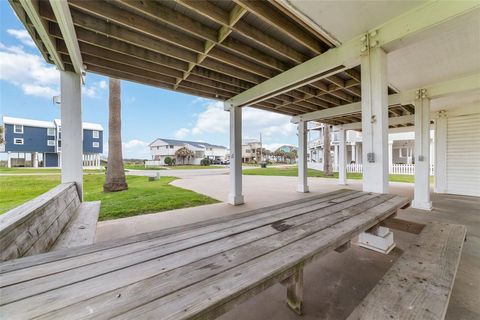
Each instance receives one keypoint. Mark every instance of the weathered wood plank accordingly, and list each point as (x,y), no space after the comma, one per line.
(419,284)
(82,227)
(241,235)
(147,288)
(181,232)
(217,294)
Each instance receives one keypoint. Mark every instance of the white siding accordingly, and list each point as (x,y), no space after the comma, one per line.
(463,155)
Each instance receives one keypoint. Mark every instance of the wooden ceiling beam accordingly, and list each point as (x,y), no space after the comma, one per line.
(220,16)
(112,44)
(269,14)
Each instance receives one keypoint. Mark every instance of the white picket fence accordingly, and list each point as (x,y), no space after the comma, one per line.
(404,169)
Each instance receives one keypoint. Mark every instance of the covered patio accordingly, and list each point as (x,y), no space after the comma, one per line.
(369,66)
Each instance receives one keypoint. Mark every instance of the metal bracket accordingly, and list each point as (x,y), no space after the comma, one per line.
(421,94)
(368,41)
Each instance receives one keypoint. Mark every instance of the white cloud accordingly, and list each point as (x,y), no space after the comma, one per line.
(28,71)
(135,149)
(181,133)
(102,84)
(213,120)
(23,36)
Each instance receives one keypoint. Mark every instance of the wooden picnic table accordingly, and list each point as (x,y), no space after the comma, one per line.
(196,271)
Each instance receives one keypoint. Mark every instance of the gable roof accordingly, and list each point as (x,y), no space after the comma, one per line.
(197,144)
(85,125)
(28,122)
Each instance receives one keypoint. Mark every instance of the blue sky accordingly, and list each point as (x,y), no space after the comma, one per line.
(28,83)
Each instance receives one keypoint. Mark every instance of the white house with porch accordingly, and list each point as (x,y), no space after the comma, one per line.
(372,66)
(163,148)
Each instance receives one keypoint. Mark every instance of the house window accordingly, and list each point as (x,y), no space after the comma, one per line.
(17,129)
(96,134)
(18,141)
(51,143)
(51,132)
(96,144)
(171,147)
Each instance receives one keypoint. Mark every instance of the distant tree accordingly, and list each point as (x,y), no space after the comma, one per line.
(327,156)
(115,177)
(2,139)
(279,154)
(205,162)
(292,155)
(168,161)
(184,153)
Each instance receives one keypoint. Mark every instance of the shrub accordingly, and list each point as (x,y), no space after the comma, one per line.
(205,162)
(168,161)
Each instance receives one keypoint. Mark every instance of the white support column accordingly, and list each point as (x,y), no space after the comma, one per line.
(374,118)
(71,115)
(335,152)
(35,159)
(302,157)
(354,152)
(235,196)
(342,155)
(9,159)
(390,156)
(421,199)
(441,153)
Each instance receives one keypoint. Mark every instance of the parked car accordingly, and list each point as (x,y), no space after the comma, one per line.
(217,161)
(225,162)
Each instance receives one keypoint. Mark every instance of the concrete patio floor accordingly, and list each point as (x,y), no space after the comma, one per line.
(336,283)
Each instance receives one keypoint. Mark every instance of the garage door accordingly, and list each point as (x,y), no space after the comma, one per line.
(463,155)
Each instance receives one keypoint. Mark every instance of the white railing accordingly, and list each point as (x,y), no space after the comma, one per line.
(154,163)
(403,169)
(91,161)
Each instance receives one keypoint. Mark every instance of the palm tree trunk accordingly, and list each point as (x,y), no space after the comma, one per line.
(327,156)
(115,178)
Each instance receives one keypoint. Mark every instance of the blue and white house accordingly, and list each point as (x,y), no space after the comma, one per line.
(40,142)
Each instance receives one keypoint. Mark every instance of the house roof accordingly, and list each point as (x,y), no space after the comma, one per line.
(197,144)
(28,122)
(46,124)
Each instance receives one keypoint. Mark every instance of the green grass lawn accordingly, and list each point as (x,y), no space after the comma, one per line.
(142,196)
(41,170)
(293,171)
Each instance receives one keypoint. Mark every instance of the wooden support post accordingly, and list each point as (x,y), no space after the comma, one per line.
(294,285)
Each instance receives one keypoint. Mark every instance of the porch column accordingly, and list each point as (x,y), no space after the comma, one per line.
(335,152)
(9,159)
(35,159)
(342,169)
(235,196)
(354,152)
(302,157)
(421,199)
(374,119)
(390,156)
(441,153)
(71,116)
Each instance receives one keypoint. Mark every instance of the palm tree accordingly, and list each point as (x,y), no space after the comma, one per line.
(115,178)
(327,156)
(183,153)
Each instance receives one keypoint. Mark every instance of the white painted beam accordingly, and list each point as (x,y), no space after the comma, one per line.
(32,11)
(64,19)
(375,121)
(302,157)
(421,199)
(235,196)
(391,121)
(72,132)
(346,56)
(438,90)
(342,155)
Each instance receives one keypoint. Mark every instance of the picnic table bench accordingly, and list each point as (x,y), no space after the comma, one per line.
(197,271)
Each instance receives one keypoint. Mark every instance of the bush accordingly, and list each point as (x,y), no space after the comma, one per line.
(205,162)
(168,161)
(174,162)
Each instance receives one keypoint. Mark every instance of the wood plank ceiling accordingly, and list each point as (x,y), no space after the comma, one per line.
(214,49)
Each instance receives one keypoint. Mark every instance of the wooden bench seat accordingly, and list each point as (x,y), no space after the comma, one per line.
(419,284)
(197,271)
(53,220)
